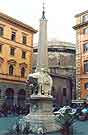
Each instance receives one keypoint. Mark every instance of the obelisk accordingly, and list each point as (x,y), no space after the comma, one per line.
(42,59)
(41,118)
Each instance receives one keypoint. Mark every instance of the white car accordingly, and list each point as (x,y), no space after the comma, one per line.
(64,109)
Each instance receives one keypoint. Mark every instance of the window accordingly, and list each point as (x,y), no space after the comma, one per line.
(85,47)
(13,36)
(1,31)
(23,54)
(86,66)
(0,48)
(12,51)
(24,40)
(53,91)
(22,72)
(86,85)
(64,92)
(0,92)
(58,62)
(86,30)
(85,18)
(11,69)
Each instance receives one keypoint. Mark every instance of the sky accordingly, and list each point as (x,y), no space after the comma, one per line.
(59,13)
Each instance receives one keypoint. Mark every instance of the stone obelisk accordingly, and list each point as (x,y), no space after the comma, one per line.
(41,118)
(42,59)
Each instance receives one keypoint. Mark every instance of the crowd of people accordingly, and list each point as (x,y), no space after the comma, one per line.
(13,110)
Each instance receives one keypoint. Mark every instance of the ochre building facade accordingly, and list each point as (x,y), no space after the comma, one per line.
(81,28)
(16,40)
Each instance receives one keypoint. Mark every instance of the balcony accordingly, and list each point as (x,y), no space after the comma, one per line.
(8,77)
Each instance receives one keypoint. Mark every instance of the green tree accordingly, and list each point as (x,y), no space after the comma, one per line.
(66,120)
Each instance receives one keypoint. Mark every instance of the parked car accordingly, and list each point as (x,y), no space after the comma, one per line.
(65,109)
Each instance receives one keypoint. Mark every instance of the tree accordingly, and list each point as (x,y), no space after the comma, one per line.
(65,120)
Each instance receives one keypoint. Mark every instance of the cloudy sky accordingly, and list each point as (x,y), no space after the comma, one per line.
(60,15)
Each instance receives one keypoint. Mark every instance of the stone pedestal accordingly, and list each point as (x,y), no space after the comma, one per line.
(41,117)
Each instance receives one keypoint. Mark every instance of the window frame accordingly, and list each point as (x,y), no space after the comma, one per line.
(13,36)
(64,92)
(0,48)
(23,72)
(85,85)
(12,51)
(85,68)
(85,30)
(23,54)
(1,31)
(11,71)
(24,39)
(85,47)
(85,18)
(0,92)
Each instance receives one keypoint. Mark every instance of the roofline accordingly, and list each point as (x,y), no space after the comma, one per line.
(63,47)
(79,14)
(63,42)
(58,42)
(69,45)
(17,22)
(78,26)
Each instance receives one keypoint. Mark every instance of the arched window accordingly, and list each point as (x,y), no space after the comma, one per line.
(9,96)
(86,86)
(11,69)
(22,72)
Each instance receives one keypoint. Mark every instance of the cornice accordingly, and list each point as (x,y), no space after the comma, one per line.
(17,22)
(6,79)
(61,76)
(14,43)
(78,26)
(82,13)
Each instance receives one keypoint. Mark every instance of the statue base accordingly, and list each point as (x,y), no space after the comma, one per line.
(41,118)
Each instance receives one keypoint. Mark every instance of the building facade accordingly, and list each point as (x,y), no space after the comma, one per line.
(81,28)
(61,59)
(16,40)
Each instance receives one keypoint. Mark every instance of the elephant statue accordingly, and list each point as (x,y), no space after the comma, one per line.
(40,83)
